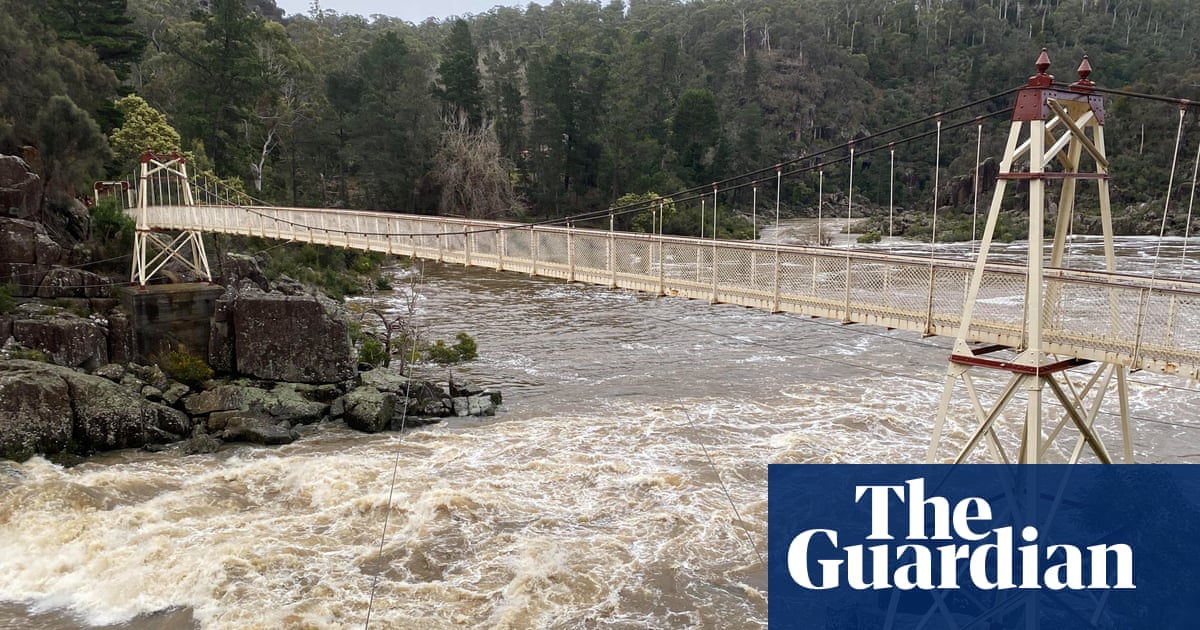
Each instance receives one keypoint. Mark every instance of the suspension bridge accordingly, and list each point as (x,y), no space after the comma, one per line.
(1068,335)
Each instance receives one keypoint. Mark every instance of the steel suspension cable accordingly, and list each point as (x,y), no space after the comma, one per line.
(937,170)
(891,190)
(849,199)
(392,485)
(975,201)
(1145,302)
(1187,228)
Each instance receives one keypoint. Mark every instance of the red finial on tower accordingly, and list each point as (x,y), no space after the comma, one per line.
(1041,79)
(1085,70)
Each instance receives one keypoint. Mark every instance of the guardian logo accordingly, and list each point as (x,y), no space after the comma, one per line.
(984,546)
(985,556)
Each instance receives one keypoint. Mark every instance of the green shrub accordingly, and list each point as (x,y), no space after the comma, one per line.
(28,354)
(186,367)
(372,351)
(870,237)
(464,349)
(441,354)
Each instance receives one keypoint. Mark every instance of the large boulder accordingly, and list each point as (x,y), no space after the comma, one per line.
(67,339)
(120,337)
(236,267)
(18,240)
(62,282)
(35,410)
(370,410)
(220,398)
(20,188)
(108,416)
(298,339)
(257,430)
(25,277)
(47,408)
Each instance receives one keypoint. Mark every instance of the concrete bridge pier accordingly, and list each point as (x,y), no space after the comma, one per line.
(169,317)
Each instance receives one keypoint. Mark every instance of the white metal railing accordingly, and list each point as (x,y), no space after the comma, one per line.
(1088,319)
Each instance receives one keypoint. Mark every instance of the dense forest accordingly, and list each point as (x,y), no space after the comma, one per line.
(552,110)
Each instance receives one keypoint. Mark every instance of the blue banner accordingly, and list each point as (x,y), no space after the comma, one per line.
(989,547)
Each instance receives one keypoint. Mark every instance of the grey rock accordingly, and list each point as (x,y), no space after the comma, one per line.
(220,398)
(132,382)
(481,406)
(370,410)
(338,407)
(286,402)
(202,443)
(107,416)
(236,267)
(18,240)
(257,430)
(152,393)
(45,408)
(151,375)
(35,410)
(474,406)
(291,339)
(61,282)
(120,337)
(384,380)
(174,393)
(20,188)
(68,340)
(111,371)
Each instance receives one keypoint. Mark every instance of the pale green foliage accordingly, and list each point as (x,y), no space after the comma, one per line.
(464,349)
(143,128)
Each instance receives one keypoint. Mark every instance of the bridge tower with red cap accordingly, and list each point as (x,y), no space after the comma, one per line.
(1056,141)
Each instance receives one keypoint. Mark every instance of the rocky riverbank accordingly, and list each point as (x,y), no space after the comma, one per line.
(80,356)
(66,413)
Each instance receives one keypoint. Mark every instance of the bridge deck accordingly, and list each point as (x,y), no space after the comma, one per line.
(1128,320)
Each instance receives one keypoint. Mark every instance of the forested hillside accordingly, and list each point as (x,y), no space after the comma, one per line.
(557,109)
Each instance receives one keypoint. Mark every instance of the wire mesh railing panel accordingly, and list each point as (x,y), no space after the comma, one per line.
(518,244)
(553,248)
(906,288)
(734,269)
(949,294)
(632,256)
(796,274)
(1001,297)
(591,251)
(679,261)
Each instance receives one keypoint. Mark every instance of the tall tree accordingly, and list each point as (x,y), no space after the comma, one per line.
(101,25)
(391,126)
(461,89)
(73,148)
(695,135)
(223,82)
